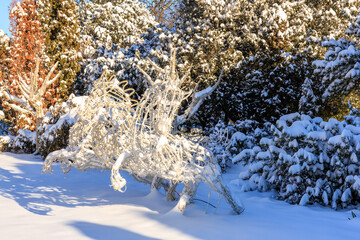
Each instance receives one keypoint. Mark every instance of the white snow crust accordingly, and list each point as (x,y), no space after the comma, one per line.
(82,205)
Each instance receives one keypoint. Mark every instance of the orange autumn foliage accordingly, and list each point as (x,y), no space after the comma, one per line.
(27,44)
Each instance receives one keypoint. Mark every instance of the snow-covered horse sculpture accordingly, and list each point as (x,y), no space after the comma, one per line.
(144,142)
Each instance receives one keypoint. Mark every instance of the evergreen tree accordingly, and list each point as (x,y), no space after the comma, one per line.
(118,22)
(261,88)
(279,40)
(4,72)
(26,41)
(308,99)
(107,27)
(26,46)
(269,45)
(211,30)
(340,72)
(60,23)
(4,55)
(155,46)
(307,160)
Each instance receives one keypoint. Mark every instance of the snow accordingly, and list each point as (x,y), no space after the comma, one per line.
(297,129)
(82,205)
(346,195)
(206,91)
(295,169)
(304,200)
(242,155)
(162,141)
(353,129)
(263,155)
(317,135)
(290,117)
(337,141)
(266,141)
(238,136)
(256,166)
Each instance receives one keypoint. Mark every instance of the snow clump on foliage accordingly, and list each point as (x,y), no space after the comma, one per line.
(54,130)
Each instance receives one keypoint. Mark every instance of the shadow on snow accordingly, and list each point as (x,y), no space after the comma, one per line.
(98,231)
(37,192)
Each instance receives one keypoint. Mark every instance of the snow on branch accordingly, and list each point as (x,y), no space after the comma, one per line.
(33,94)
(31,101)
(197,100)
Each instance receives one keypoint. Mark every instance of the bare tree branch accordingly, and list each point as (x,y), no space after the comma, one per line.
(197,99)
(164,11)
(33,102)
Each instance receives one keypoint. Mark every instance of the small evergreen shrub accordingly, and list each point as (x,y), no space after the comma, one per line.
(4,143)
(226,140)
(23,142)
(54,130)
(307,160)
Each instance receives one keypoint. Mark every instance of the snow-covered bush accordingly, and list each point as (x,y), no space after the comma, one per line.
(155,47)
(23,142)
(339,71)
(4,143)
(227,140)
(104,61)
(307,160)
(31,100)
(54,130)
(119,22)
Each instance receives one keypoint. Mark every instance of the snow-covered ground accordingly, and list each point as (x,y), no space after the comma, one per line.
(82,205)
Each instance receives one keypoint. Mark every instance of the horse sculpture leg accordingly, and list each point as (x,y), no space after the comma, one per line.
(187,196)
(170,194)
(224,190)
(117,181)
(156,183)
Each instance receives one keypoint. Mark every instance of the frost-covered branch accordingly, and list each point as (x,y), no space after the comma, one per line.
(197,99)
(33,93)
(19,104)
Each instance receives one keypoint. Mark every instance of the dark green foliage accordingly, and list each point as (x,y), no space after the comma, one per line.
(60,23)
(55,128)
(262,88)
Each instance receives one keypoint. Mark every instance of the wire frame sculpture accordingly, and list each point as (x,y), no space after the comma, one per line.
(110,134)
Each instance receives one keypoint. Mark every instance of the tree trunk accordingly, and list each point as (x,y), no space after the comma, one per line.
(37,125)
(187,196)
